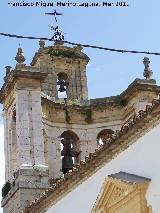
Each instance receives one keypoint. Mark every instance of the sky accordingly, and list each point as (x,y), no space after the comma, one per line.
(134,27)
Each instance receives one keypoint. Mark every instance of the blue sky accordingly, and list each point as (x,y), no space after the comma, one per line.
(135,27)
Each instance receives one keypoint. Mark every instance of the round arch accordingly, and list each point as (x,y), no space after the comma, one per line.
(62,84)
(104,135)
(70,151)
(62,75)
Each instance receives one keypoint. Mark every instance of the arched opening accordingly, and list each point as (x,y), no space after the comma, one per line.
(62,84)
(103,136)
(70,150)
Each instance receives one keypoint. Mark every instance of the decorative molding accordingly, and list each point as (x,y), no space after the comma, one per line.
(118,196)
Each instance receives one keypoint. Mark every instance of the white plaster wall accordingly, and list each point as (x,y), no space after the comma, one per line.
(142,158)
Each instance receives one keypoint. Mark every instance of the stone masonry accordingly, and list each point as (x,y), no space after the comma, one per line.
(40,127)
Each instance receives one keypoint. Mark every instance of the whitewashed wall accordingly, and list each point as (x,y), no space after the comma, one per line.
(142,158)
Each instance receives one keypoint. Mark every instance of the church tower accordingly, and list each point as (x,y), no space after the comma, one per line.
(26,174)
(51,126)
(29,149)
(66,69)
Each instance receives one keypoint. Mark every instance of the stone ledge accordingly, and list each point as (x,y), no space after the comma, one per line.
(9,195)
(28,177)
(12,77)
(44,51)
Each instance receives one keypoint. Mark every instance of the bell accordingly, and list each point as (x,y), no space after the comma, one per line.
(61,88)
(67,164)
(62,85)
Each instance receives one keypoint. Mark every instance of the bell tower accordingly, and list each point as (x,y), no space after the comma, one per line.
(66,69)
(33,141)
(26,174)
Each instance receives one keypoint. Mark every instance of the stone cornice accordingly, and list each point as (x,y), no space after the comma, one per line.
(136,85)
(139,85)
(101,109)
(12,77)
(114,101)
(80,55)
(129,133)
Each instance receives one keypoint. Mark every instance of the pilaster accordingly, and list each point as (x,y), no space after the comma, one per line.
(54,154)
(24,143)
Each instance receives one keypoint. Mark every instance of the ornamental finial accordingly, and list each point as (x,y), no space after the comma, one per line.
(20,56)
(8,69)
(78,48)
(147,71)
(41,44)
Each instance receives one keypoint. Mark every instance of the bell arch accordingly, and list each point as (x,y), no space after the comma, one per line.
(70,152)
(103,136)
(62,84)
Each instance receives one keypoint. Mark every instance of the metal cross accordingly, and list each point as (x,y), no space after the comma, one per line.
(58,34)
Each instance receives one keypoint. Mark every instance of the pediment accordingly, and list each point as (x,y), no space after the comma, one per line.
(116,193)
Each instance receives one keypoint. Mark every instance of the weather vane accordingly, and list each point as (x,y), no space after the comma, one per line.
(58,34)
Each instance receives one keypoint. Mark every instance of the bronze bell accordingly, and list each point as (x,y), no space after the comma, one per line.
(67,164)
(62,84)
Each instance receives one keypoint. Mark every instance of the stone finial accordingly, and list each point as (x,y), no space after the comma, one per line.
(42,44)
(20,56)
(147,71)
(8,69)
(78,48)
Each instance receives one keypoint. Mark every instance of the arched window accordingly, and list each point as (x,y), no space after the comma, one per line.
(70,150)
(103,136)
(62,84)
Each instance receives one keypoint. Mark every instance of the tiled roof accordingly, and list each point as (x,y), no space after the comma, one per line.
(129,133)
